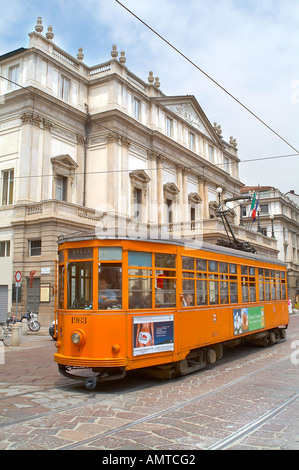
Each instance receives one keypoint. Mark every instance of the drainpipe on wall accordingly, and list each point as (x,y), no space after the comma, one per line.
(87,122)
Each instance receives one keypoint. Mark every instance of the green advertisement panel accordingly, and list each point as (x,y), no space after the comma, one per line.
(248,319)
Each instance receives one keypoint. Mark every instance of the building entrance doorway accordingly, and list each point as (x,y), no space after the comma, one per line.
(33,295)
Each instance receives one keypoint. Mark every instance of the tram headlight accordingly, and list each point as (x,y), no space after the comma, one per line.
(78,337)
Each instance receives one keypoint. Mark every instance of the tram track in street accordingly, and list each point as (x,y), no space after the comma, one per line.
(94,399)
(248,429)
(83,403)
(186,403)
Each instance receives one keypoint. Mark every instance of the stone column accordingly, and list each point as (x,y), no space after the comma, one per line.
(160,195)
(29,163)
(125,179)
(203,193)
(179,216)
(46,187)
(113,167)
(153,188)
(76,190)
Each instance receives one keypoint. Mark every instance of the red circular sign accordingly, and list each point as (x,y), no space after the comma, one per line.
(18,276)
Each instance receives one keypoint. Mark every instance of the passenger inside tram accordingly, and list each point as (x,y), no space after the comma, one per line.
(110,286)
(105,294)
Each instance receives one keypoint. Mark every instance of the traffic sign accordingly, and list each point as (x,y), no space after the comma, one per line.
(18,276)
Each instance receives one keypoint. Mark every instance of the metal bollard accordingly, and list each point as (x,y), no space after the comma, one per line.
(15,335)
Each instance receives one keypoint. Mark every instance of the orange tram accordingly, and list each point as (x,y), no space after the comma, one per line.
(167,307)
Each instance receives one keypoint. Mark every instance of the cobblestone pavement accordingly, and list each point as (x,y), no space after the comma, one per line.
(248,401)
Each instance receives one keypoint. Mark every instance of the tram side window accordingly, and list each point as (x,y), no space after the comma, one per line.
(79,285)
(165,280)
(261,284)
(283,285)
(201,282)
(110,286)
(61,287)
(271,284)
(140,280)
(140,290)
(110,277)
(233,283)
(223,284)
(248,284)
(188,281)
(216,282)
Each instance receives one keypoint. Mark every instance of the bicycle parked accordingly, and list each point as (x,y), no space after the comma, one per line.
(5,334)
(32,323)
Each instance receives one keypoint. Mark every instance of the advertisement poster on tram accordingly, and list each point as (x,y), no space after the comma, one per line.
(152,334)
(248,319)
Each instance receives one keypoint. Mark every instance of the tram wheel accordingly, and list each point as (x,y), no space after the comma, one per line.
(91,383)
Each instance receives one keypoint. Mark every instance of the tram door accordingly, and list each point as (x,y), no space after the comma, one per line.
(33,295)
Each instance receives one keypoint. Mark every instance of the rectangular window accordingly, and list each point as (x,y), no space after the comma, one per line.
(110,253)
(264,208)
(226,165)
(136,109)
(169,211)
(137,204)
(192,218)
(35,247)
(110,285)
(61,188)
(248,284)
(137,258)
(169,124)
(271,285)
(13,76)
(140,289)
(192,141)
(140,280)
(211,154)
(7,187)
(65,86)
(188,281)
(4,249)
(201,282)
(216,282)
(79,285)
(61,287)
(165,280)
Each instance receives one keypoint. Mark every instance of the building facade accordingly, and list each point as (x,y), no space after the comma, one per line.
(97,148)
(278,217)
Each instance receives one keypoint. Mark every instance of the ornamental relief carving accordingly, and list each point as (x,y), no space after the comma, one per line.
(186,112)
(29,117)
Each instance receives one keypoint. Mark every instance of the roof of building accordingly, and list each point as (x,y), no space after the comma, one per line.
(12,53)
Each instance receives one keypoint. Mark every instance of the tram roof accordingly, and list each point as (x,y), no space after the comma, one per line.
(195,244)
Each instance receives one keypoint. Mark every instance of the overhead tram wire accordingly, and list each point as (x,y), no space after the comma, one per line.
(207,75)
(143,146)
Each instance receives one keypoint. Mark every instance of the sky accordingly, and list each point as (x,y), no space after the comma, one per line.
(249,47)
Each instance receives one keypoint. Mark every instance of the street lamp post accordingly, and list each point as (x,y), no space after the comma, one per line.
(272,225)
(258,220)
(219,192)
